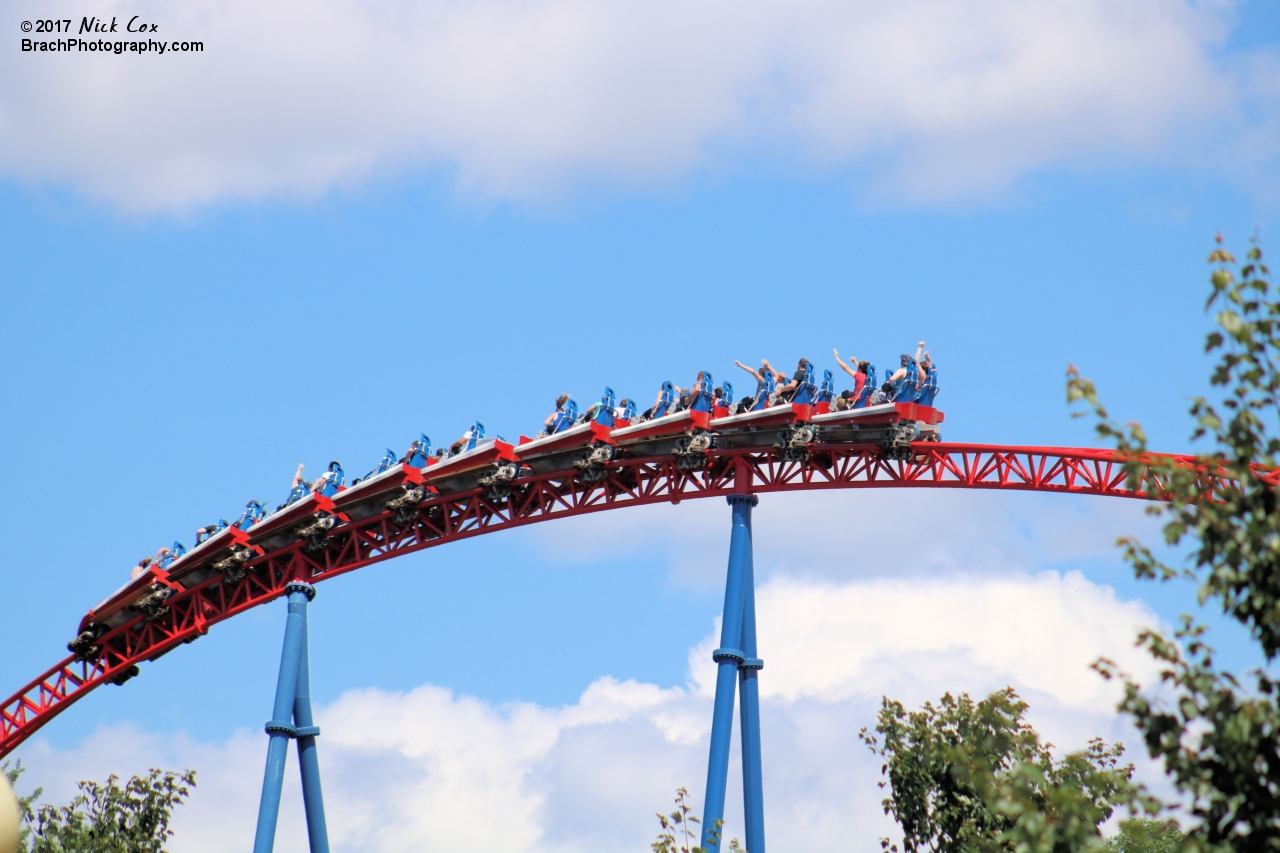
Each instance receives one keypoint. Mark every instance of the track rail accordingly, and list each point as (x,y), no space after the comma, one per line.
(542,497)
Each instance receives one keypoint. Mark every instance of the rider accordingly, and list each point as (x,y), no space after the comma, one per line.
(458,446)
(883,394)
(929,382)
(699,397)
(766,377)
(298,489)
(418,453)
(786,392)
(663,403)
(859,375)
(331,477)
(682,400)
(209,530)
(141,567)
(550,422)
(907,378)
(146,562)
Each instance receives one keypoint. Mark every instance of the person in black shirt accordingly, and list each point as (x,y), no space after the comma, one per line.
(883,394)
(786,392)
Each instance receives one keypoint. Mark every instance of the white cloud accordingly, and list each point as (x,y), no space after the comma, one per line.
(936,99)
(432,770)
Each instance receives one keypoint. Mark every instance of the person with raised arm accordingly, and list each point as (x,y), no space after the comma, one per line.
(762,384)
(928,392)
(297,489)
(784,393)
(907,386)
(859,375)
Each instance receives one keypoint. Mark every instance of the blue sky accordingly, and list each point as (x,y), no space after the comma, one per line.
(207,282)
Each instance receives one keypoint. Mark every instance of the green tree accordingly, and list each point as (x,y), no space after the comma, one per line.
(973,776)
(25,810)
(1218,735)
(679,834)
(107,817)
(1141,835)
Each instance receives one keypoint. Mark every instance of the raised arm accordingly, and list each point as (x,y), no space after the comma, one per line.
(919,349)
(297,477)
(779,378)
(754,373)
(846,368)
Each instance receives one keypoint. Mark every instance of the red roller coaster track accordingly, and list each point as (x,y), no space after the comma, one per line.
(630,482)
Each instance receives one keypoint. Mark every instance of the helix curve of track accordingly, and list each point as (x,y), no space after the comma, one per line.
(542,497)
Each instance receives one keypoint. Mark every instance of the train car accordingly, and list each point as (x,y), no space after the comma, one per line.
(760,426)
(225,548)
(792,427)
(294,521)
(397,484)
(586,446)
(785,426)
(576,446)
(660,428)
(892,426)
(677,434)
(145,592)
(379,491)
(846,425)
(488,462)
(684,434)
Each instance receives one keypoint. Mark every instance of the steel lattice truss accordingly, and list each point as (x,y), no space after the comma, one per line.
(630,482)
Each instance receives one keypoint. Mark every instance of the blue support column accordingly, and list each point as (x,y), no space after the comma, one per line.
(749,687)
(292,692)
(308,760)
(728,656)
